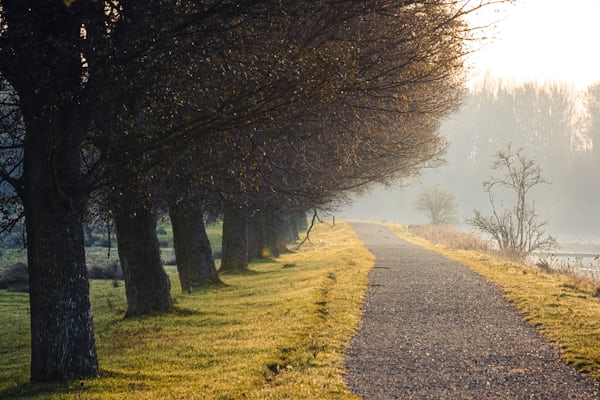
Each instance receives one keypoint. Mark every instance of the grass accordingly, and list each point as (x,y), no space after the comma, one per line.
(565,308)
(276,332)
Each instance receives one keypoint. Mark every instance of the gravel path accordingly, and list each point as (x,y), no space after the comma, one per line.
(433,329)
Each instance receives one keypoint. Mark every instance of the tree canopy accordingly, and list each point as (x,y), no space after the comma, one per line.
(310,98)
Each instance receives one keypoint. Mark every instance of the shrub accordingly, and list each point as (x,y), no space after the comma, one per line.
(544,265)
(12,240)
(112,271)
(14,277)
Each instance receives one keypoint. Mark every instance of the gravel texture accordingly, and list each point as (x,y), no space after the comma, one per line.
(433,329)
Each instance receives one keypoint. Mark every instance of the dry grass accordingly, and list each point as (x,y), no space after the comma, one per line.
(446,236)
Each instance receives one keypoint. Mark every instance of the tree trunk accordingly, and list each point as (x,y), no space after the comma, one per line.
(147,285)
(39,62)
(234,257)
(288,228)
(301,221)
(256,238)
(193,253)
(62,334)
(270,224)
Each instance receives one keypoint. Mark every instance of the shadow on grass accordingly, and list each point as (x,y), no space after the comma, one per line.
(43,390)
(187,312)
(242,272)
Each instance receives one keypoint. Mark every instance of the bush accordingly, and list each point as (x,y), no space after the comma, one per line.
(14,277)
(12,240)
(112,271)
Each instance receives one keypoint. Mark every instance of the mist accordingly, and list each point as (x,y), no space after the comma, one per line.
(557,126)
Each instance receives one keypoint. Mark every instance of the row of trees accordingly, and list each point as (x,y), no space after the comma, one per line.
(256,110)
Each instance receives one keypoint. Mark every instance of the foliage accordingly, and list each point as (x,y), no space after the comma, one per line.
(516,230)
(438,205)
(14,277)
(565,309)
(13,256)
(114,95)
(378,80)
(113,272)
(275,332)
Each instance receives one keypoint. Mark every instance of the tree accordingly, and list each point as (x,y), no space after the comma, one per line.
(40,59)
(517,230)
(234,248)
(591,102)
(71,65)
(438,205)
(193,253)
(147,285)
(90,75)
(379,125)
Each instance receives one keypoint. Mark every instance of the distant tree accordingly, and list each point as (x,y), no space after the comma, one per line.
(517,230)
(438,205)
(591,101)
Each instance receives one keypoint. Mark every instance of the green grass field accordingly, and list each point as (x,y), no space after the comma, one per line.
(278,331)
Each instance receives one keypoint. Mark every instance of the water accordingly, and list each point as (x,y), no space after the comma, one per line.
(581,263)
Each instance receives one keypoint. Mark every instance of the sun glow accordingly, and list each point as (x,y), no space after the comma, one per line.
(540,40)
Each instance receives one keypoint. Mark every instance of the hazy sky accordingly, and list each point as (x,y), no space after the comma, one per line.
(543,39)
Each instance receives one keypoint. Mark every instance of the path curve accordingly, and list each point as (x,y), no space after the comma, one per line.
(433,329)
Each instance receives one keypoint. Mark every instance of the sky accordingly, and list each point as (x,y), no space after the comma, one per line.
(542,40)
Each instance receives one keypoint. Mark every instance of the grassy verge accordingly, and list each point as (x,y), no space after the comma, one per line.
(277,332)
(565,308)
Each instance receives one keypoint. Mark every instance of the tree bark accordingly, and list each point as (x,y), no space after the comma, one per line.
(147,285)
(301,220)
(234,257)
(193,253)
(270,225)
(256,238)
(48,82)
(266,235)
(62,333)
(288,227)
